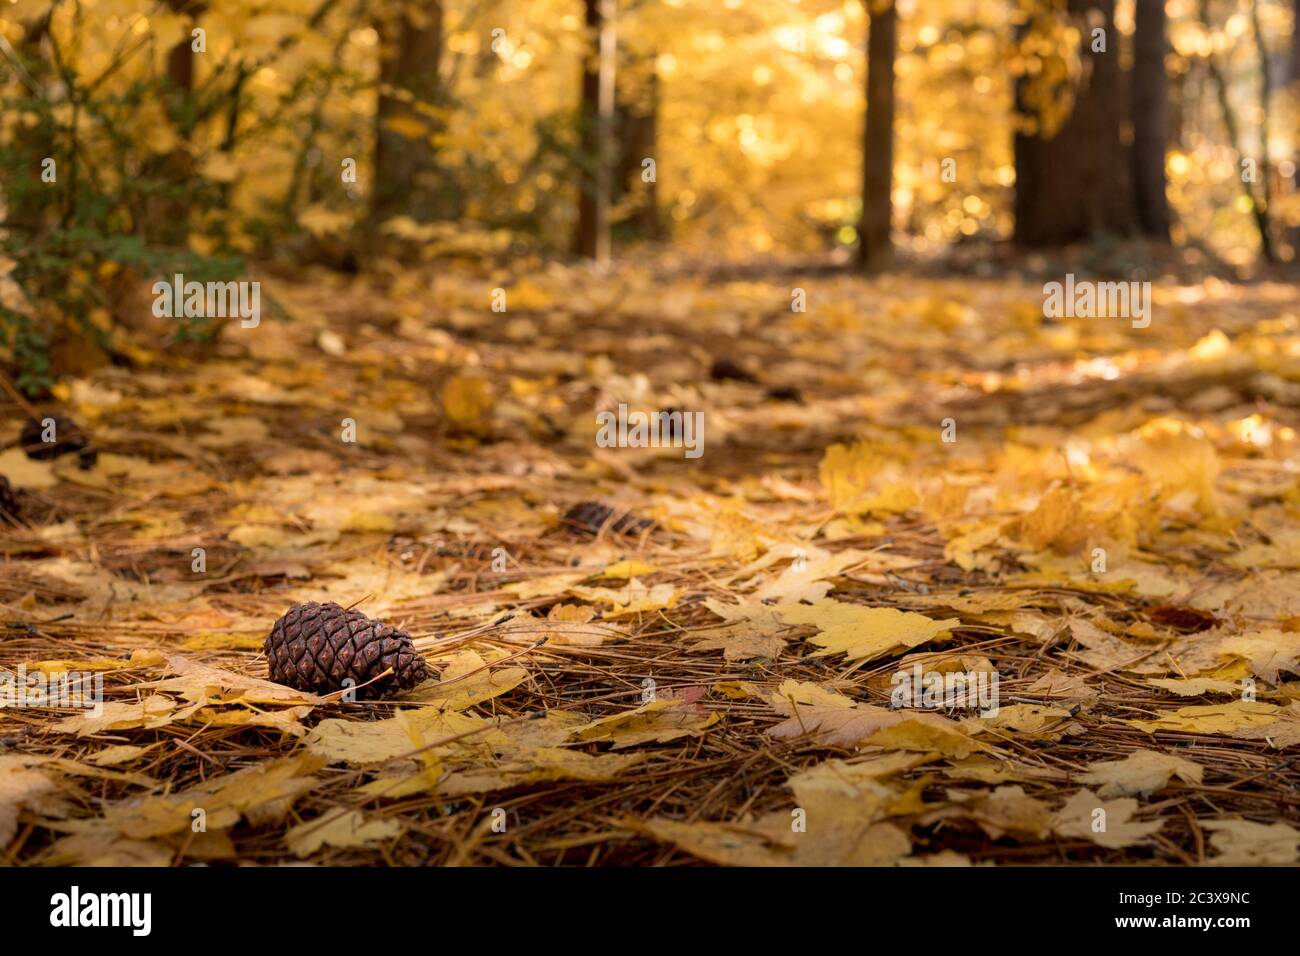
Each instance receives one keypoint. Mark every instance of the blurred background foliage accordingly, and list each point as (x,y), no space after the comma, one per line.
(197,136)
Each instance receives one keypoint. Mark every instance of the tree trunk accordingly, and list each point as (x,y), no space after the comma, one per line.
(1265,124)
(1150,118)
(596,117)
(180,59)
(875,248)
(26,200)
(1076,184)
(168,222)
(638,132)
(1293,82)
(1259,209)
(410,54)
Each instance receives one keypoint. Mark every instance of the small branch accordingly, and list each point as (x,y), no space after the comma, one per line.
(1234,137)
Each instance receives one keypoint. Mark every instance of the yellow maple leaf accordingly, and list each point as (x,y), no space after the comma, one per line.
(1140,774)
(467,402)
(864,633)
(628,568)
(1245,843)
(1215,718)
(1082,813)
(852,474)
(807,578)
(658,721)
(343,829)
(1179,459)
(21,784)
(360,742)
(470,680)
(633,598)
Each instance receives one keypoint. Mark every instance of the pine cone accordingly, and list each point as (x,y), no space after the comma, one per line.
(785,393)
(317,647)
(725,369)
(589,517)
(8,499)
(68,439)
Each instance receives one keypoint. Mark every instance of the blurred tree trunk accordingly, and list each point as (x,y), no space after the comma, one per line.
(180,59)
(1077,184)
(1259,209)
(875,248)
(1178,96)
(637,121)
(27,207)
(168,219)
(410,41)
(1265,124)
(1150,118)
(596,117)
(1293,78)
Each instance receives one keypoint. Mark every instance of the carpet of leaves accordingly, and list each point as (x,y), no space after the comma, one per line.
(1110,535)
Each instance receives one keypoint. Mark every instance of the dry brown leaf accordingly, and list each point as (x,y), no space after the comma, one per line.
(864,633)
(1107,823)
(657,721)
(1140,774)
(342,830)
(1246,843)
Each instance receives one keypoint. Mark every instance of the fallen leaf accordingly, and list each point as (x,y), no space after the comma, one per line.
(342,830)
(627,569)
(1107,823)
(752,630)
(864,633)
(469,680)
(657,721)
(839,726)
(1214,718)
(154,711)
(1140,774)
(1246,843)
(21,785)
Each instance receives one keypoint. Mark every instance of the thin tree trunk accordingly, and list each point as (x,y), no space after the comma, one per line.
(1266,116)
(638,132)
(1150,118)
(1234,140)
(27,209)
(180,59)
(168,223)
(591,237)
(410,55)
(1179,84)
(1293,82)
(1295,77)
(876,247)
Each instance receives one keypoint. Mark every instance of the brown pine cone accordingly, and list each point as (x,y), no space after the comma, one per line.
(785,393)
(725,369)
(66,439)
(320,647)
(8,499)
(588,517)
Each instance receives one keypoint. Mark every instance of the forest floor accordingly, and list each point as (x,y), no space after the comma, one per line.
(1096,521)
